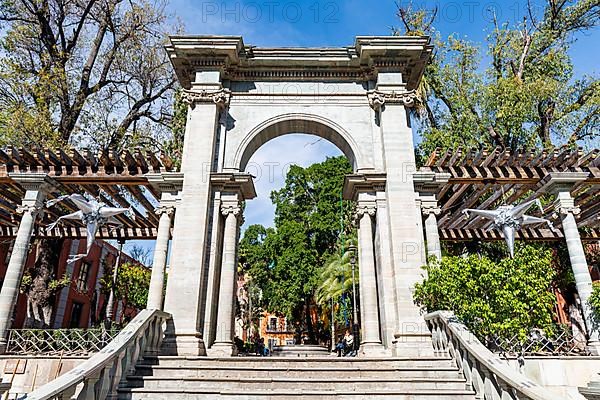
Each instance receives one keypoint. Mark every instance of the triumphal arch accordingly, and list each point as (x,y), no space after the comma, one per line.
(240,97)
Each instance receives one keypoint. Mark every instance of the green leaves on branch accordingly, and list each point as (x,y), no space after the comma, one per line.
(133,284)
(503,297)
(286,262)
(516,90)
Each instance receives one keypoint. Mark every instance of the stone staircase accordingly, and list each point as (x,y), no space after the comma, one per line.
(182,378)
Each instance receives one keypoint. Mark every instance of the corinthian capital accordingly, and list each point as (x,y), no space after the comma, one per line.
(377,98)
(219,97)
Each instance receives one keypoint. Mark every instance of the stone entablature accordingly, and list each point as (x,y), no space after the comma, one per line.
(239,62)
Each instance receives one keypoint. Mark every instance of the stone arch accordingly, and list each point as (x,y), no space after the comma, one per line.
(285,124)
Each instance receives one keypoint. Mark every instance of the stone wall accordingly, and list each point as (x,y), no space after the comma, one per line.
(561,375)
(28,373)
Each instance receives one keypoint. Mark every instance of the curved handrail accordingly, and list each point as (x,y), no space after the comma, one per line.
(490,377)
(100,376)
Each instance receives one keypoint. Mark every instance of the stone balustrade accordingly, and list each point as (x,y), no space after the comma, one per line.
(100,376)
(490,377)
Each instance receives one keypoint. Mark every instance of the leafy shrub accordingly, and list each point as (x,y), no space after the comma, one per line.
(504,298)
(594,301)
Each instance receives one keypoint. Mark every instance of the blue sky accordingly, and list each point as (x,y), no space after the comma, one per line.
(336,23)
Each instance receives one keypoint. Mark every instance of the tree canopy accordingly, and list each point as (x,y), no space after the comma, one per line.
(89,73)
(518,90)
(286,261)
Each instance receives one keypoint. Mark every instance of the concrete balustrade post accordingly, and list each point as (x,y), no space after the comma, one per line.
(157,279)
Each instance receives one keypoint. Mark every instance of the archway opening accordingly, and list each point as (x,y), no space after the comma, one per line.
(295,228)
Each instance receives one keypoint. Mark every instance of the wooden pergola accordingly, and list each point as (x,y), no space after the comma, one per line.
(481,179)
(485,179)
(117,178)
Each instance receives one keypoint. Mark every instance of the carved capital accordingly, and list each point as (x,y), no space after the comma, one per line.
(377,98)
(234,209)
(569,210)
(219,97)
(169,210)
(365,209)
(28,208)
(430,209)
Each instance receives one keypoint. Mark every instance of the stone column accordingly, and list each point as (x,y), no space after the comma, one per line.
(183,298)
(370,329)
(224,345)
(565,206)
(36,186)
(432,235)
(213,279)
(389,101)
(159,264)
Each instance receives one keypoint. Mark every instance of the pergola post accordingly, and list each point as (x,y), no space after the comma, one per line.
(169,185)
(560,184)
(36,188)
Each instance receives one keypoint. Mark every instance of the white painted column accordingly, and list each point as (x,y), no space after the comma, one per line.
(183,298)
(370,329)
(385,271)
(30,208)
(404,215)
(159,264)
(213,281)
(565,205)
(432,235)
(224,345)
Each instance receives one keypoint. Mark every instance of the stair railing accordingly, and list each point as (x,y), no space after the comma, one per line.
(490,377)
(99,377)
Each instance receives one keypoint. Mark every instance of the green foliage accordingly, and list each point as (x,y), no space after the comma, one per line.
(85,73)
(493,297)
(133,284)
(524,95)
(286,262)
(336,276)
(594,301)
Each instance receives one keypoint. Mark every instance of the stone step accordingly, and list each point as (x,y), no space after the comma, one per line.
(182,394)
(316,384)
(341,372)
(292,363)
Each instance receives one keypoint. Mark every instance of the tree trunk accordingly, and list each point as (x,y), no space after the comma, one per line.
(40,298)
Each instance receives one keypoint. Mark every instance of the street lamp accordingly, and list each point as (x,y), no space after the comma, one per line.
(352,249)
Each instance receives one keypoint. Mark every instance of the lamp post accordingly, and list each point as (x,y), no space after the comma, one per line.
(352,249)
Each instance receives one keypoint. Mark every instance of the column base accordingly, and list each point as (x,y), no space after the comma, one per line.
(593,347)
(222,349)
(183,345)
(376,350)
(412,345)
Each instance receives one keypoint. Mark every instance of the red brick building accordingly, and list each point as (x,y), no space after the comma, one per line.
(80,304)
